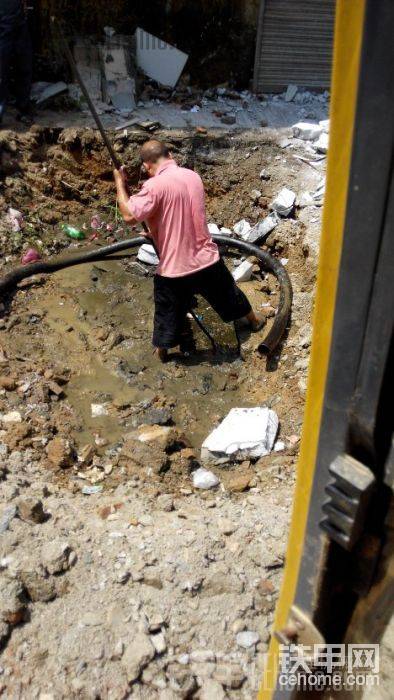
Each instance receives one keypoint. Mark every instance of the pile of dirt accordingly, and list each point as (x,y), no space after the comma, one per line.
(119,578)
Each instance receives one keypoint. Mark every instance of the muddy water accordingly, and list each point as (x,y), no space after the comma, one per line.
(86,304)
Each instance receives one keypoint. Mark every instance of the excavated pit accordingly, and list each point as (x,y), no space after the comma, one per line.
(83,336)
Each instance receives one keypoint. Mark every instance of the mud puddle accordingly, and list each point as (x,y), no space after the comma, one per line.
(98,323)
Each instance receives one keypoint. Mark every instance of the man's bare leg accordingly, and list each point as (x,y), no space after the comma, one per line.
(255,320)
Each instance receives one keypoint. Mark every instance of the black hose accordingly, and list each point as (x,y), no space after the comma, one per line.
(11,279)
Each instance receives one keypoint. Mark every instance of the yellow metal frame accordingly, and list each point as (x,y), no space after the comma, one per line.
(347,49)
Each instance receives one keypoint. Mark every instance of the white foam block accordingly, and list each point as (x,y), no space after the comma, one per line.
(159,60)
(245,432)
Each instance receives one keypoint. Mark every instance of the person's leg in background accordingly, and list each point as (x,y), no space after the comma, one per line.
(6,50)
(23,62)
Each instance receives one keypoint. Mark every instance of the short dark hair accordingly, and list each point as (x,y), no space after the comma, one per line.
(153,150)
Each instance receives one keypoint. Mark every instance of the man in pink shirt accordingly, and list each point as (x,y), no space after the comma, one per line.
(172,202)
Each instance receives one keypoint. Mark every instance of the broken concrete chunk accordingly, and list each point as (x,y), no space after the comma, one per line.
(43,91)
(307,131)
(321,144)
(119,83)
(147,254)
(243,272)
(305,199)
(247,639)
(291,93)
(137,655)
(159,60)
(56,557)
(7,516)
(31,510)
(204,479)
(245,432)
(325,125)
(12,601)
(284,202)
(264,174)
(262,229)
(99,409)
(242,228)
(11,417)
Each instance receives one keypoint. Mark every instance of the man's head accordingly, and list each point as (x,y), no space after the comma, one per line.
(153,153)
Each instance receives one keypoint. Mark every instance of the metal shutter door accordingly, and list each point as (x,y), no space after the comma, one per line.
(294,44)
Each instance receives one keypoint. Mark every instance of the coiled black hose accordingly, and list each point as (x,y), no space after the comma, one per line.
(268,263)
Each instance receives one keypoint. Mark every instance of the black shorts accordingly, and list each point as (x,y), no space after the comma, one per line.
(174,295)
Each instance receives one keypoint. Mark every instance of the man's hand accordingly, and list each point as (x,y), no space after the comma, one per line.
(120,177)
(122,194)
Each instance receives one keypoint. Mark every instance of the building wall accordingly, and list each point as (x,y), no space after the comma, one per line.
(219,35)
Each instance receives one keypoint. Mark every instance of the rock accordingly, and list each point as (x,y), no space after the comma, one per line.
(165,502)
(226,526)
(31,510)
(99,409)
(7,516)
(60,453)
(55,557)
(284,202)
(136,455)
(243,272)
(202,656)
(228,119)
(137,656)
(255,196)
(244,433)
(247,639)
(322,143)
(239,482)
(204,479)
(230,676)
(305,199)
(181,681)
(242,228)
(11,417)
(262,229)
(12,601)
(325,125)
(39,588)
(7,383)
(307,131)
(291,93)
(156,416)
(213,228)
(264,174)
(85,456)
(159,642)
(211,690)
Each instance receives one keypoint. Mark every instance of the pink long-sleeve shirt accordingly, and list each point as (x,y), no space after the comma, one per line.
(173,205)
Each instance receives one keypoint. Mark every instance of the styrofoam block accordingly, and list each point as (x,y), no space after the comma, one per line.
(159,60)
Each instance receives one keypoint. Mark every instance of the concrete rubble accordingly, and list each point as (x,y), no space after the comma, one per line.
(283,203)
(307,131)
(243,272)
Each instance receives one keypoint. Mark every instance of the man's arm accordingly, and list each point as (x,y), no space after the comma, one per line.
(123,197)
